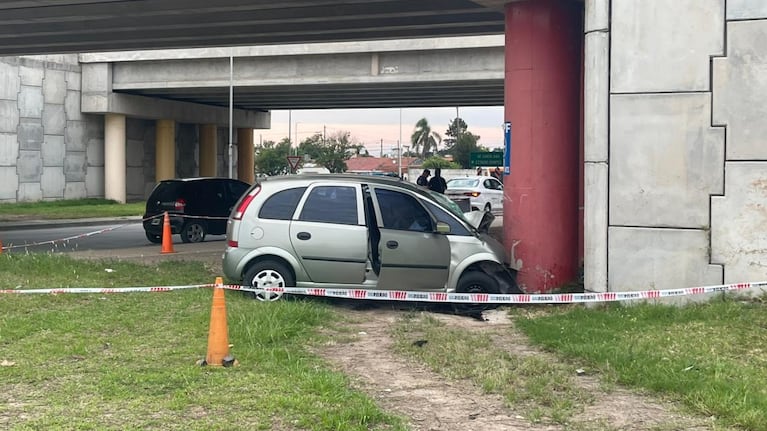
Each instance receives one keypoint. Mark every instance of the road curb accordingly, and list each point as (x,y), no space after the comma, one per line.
(54,223)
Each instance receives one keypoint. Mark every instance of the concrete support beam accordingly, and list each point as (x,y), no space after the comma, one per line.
(165,142)
(208,152)
(245,156)
(114,157)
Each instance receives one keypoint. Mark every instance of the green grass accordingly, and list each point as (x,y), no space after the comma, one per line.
(70,208)
(127,361)
(712,357)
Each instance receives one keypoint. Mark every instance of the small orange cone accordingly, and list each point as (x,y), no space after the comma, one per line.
(167,236)
(218,337)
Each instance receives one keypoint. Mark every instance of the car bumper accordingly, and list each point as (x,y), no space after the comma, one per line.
(231,262)
(154,226)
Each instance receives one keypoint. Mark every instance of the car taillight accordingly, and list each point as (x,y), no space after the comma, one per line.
(472,194)
(232,243)
(244,203)
(179,205)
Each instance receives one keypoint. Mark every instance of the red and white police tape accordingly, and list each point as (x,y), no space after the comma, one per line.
(437,297)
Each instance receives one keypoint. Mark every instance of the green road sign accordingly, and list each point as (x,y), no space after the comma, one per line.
(486,158)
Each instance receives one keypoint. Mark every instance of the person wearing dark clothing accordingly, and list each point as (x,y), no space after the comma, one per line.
(437,183)
(423,180)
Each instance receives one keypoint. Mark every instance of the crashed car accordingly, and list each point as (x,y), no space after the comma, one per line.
(360,232)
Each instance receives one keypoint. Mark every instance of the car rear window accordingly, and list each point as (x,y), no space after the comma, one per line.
(462,183)
(167,191)
(281,205)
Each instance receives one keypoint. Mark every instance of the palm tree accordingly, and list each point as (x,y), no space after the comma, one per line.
(424,138)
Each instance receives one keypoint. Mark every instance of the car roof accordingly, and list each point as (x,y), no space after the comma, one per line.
(185,180)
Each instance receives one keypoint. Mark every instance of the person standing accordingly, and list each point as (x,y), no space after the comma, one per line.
(423,180)
(437,183)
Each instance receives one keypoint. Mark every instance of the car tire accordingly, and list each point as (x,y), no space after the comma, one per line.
(154,239)
(475,282)
(193,232)
(268,273)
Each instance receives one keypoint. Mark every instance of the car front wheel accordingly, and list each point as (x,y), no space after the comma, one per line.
(193,232)
(475,282)
(265,275)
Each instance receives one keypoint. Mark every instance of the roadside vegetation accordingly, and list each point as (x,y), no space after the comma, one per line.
(69,208)
(128,360)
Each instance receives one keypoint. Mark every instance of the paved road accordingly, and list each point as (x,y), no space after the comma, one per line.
(99,236)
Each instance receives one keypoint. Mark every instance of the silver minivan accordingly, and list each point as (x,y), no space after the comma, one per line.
(360,232)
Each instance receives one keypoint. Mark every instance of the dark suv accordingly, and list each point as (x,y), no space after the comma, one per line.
(196,207)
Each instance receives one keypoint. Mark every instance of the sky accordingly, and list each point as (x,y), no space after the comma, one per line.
(370,126)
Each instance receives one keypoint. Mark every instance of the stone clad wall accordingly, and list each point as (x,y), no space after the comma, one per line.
(679,197)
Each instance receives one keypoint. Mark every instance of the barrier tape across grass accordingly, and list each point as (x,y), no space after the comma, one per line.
(436,297)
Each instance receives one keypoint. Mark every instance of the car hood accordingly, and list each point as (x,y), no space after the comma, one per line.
(481,220)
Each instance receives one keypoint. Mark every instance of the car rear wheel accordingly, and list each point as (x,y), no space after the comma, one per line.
(265,275)
(193,232)
(155,239)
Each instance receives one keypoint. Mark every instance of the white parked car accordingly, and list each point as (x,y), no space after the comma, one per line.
(484,193)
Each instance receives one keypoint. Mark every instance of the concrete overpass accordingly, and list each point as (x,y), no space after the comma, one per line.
(429,72)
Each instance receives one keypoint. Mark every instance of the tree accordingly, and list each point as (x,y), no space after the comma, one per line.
(424,138)
(332,152)
(438,162)
(456,128)
(272,158)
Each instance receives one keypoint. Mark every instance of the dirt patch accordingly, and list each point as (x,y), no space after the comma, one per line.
(430,402)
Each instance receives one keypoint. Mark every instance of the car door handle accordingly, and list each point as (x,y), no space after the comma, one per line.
(303,235)
(392,244)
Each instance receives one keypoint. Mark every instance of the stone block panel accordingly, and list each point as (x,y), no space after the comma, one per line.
(662,45)
(30,102)
(9,116)
(29,166)
(95,152)
(596,96)
(134,156)
(72,106)
(31,76)
(55,86)
(9,81)
(52,183)
(30,133)
(75,190)
(597,15)
(74,166)
(9,149)
(9,178)
(665,160)
(73,81)
(642,259)
(74,136)
(746,9)
(740,88)
(53,150)
(54,119)
(94,182)
(30,192)
(739,223)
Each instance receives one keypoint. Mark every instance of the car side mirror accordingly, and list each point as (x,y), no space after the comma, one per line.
(443,228)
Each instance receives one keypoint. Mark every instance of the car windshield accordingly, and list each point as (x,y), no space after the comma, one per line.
(448,204)
(462,182)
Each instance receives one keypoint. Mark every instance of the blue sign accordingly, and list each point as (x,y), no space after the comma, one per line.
(507,148)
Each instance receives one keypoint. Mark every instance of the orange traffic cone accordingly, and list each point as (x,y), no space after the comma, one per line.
(167,236)
(218,337)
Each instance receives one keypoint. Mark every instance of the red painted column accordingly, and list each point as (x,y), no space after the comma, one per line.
(543,104)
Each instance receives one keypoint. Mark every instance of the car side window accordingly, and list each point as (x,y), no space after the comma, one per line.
(456,228)
(402,211)
(331,204)
(281,205)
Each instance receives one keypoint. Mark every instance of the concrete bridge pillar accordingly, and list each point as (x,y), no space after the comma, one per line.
(208,147)
(114,157)
(245,155)
(165,150)
(542,102)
